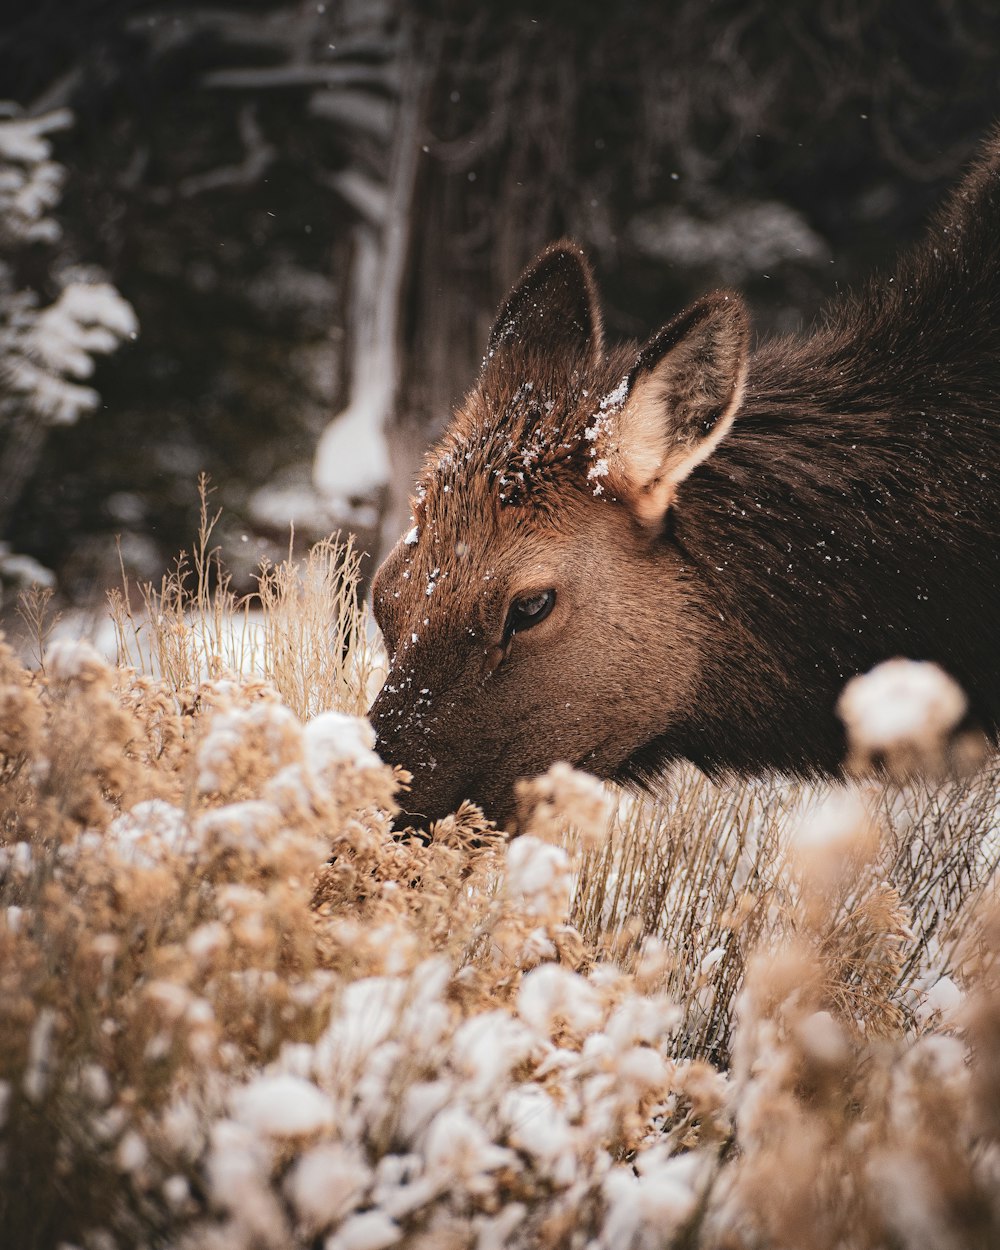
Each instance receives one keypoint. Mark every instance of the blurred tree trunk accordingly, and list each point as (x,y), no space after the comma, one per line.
(352,463)
(491,193)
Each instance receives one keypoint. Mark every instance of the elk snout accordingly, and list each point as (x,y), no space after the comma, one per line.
(402,743)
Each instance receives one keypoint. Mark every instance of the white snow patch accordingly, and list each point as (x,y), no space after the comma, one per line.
(487,1048)
(614,400)
(83,320)
(645,1211)
(282,1106)
(944,999)
(538,1126)
(901,702)
(40,1063)
(598,470)
(352,457)
(539,876)
(550,993)
(334,738)
(714,956)
(24,571)
(456,1146)
(833,824)
(238,1172)
(150,831)
(823,1038)
(132,1153)
(21,138)
(69,659)
(86,318)
(296,505)
(327,1182)
(372,1230)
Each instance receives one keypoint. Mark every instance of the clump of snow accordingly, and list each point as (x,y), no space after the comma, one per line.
(615,399)
(899,701)
(457,1147)
(944,999)
(72,659)
(833,821)
(641,1019)
(273,723)
(40,1058)
(378,1011)
(371,1230)
(598,470)
(206,939)
(903,714)
(18,860)
(176,1191)
(552,993)
(539,876)
(282,1106)
(823,1039)
(250,824)
(327,1182)
(486,1048)
(31,181)
(644,1211)
(352,457)
(152,830)
(352,463)
(237,1168)
(598,433)
(334,738)
(411,536)
(132,1153)
(537,1126)
(280,505)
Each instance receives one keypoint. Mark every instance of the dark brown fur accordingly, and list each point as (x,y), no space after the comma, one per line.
(709,608)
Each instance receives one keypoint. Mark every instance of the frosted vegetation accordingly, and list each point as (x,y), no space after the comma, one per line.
(47,351)
(237,1013)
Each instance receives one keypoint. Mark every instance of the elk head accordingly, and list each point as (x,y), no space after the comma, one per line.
(539,609)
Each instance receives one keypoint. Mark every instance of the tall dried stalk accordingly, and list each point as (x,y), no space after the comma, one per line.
(305,629)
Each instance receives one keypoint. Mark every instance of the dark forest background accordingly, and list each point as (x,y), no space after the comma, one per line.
(317,205)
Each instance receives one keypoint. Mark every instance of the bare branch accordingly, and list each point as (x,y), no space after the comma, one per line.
(264,78)
(258,157)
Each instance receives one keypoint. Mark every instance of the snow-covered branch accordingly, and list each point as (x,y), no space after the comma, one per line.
(59,344)
(46,351)
(30,181)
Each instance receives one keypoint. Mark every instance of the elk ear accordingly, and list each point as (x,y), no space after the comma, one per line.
(680,400)
(551,315)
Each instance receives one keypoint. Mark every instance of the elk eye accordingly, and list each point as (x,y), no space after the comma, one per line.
(528,611)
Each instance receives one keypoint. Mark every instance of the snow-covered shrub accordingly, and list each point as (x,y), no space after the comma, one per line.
(47,349)
(237,1012)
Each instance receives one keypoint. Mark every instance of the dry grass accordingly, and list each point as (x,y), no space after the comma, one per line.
(236,1013)
(304,630)
(704,869)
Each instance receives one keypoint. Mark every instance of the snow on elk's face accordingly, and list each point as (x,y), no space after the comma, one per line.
(518,610)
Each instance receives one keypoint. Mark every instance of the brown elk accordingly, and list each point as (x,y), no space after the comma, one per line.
(624,556)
